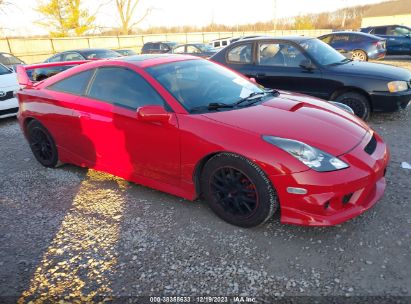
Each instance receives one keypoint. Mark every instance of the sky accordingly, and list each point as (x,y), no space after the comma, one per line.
(19,18)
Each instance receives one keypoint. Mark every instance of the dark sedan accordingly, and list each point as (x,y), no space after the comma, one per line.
(398,38)
(310,66)
(83,54)
(196,49)
(356,45)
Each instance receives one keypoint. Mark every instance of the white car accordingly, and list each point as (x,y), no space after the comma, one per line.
(8,86)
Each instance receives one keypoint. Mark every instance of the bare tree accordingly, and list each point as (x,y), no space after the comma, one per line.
(126,10)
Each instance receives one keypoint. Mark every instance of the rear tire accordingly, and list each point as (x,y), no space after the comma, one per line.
(238,191)
(42,144)
(359,55)
(356,101)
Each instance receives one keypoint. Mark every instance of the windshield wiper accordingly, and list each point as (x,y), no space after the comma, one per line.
(251,97)
(344,61)
(219,105)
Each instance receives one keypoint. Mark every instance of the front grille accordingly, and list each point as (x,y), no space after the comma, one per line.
(371,146)
(9,111)
(8,95)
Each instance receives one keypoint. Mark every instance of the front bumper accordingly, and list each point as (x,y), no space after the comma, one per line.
(335,197)
(390,102)
(8,107)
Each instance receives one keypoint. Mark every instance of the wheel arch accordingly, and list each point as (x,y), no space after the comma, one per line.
(199,169)
(203,161)
(351,89)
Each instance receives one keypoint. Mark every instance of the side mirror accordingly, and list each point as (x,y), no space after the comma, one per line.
(153,114)
(307,65)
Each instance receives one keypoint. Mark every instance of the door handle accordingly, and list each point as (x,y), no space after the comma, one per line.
(261,75)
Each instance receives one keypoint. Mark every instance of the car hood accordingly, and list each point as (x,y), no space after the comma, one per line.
(374,70)
(313,121)
(8,80)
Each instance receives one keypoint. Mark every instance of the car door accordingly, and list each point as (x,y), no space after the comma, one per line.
(278,66)
(403,38)
(341,42)
(393,44)
(240,58)
(124,145)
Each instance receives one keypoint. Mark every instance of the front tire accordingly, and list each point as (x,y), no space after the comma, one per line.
(357,102)
(42,144)
(238,191)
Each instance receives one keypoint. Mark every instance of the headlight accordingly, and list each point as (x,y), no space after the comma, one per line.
(397,86)
(312,157)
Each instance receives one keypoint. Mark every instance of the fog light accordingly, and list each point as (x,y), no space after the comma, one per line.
(300,191)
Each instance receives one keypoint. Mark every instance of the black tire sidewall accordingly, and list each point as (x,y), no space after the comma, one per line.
(360,99)
(34,124)
(267,196)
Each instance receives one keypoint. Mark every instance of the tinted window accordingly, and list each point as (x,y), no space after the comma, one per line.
(191,49)
(399,31)
(123,87)
(56,58)
(9,59)
(279,54)
(100,54)
(241,53)
(326,39)
(72,57)
(179,50)
(154,46)
(341,38)
(4,70)
(380,31)
(75,84)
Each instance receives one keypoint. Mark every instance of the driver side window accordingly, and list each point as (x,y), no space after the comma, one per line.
(279,54)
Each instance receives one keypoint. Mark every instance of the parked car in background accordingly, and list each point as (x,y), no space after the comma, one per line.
(221,43)
(398,37)
(159,47)
(10,60)
(83,54)
(197,49)
(126,52)
(356,45)
(310,66)
(193,128)
(8,87)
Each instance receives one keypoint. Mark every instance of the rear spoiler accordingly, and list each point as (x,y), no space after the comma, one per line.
(24,79)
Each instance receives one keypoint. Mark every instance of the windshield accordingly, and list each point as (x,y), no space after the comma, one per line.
(322,52)
(199,83)
(100,54)
(4,70)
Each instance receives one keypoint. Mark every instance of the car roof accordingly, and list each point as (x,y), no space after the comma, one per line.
(84,50)
(284,38)
(148,60)
(353,33)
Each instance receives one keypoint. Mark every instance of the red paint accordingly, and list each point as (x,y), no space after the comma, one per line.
(161,149)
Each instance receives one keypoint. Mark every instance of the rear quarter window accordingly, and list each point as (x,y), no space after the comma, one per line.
(75,84)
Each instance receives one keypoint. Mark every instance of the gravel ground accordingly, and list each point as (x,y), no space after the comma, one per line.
(73,232)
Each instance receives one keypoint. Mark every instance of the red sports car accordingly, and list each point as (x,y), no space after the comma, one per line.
(193,128)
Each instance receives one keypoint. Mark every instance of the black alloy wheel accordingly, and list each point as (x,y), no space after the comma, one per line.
(42,144)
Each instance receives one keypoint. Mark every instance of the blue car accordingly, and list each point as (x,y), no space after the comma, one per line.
(356,45)
(398,37)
